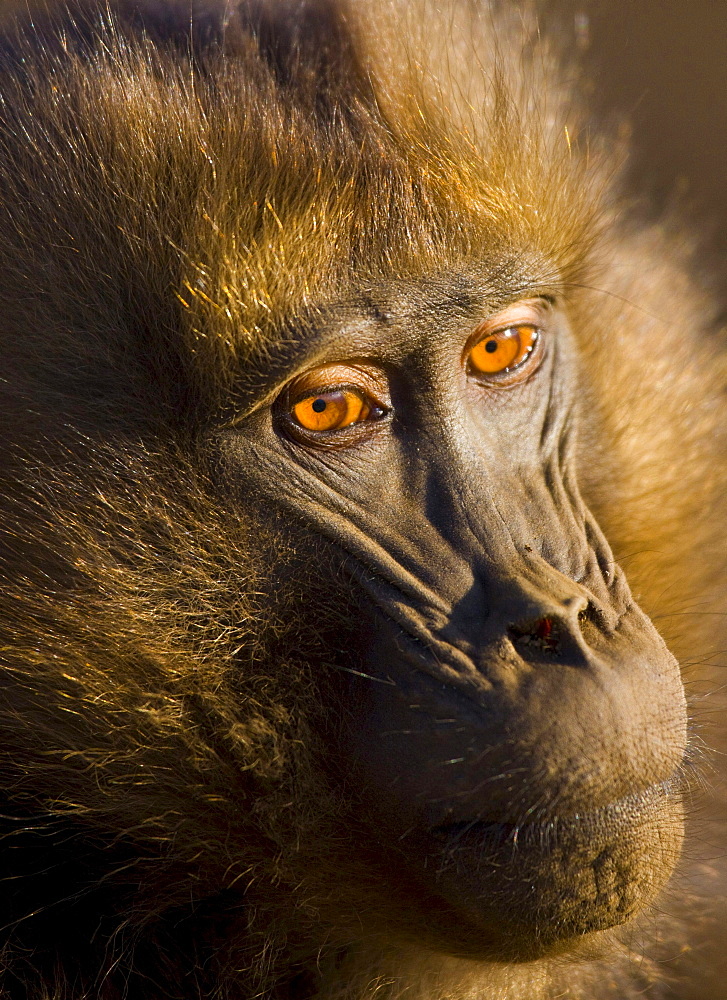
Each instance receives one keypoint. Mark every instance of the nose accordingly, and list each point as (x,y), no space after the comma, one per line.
(548,616)
(533,605)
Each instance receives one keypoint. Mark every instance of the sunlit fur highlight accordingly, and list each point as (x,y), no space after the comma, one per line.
(169,232)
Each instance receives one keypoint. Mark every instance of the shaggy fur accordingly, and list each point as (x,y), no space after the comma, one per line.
(180,197)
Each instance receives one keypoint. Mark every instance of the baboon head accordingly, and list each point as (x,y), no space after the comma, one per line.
(330,377)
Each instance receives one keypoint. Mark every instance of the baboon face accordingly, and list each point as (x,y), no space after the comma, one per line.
(512,723)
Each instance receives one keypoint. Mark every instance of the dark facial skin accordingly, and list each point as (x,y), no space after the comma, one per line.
(515,726)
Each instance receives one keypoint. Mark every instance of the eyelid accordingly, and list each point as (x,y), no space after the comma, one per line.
(322,388)
(363,377)
(528,312)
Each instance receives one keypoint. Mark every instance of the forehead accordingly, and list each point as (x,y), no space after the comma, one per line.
(249,236)
(401,320)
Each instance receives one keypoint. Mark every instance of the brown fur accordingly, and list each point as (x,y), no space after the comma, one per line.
(169,226)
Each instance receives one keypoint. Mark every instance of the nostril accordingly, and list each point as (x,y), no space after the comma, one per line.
(591,616)
(554,632)
(543,633)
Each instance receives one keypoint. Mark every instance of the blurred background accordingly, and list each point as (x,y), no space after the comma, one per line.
(659,69)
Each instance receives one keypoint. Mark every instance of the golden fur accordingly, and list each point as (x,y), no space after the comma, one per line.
(168,228)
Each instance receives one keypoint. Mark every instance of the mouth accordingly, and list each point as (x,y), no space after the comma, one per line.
(537,886)
(612,819)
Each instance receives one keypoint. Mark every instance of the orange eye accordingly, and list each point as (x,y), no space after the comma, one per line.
(330,411)
(345,397)
(503,350)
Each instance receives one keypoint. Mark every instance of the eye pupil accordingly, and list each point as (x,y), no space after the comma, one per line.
(491,346)
(319,405)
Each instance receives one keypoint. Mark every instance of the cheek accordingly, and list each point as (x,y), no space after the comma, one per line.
(514,422)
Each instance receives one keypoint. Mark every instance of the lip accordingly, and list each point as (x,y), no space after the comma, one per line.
(613,819)
(529,889)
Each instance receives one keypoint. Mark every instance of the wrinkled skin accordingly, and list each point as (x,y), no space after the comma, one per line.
(513,773)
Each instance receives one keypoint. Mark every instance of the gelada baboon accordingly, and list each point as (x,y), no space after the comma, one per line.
(338,387)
